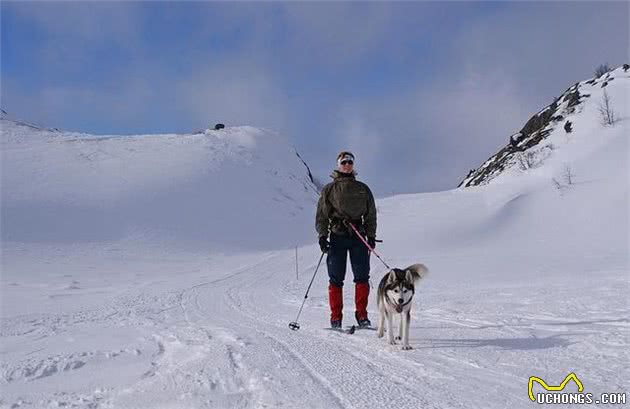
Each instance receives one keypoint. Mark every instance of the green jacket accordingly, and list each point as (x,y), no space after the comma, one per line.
(345,198)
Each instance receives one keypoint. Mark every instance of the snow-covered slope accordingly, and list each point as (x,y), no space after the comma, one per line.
(229,188)
(529,277)
(573,115)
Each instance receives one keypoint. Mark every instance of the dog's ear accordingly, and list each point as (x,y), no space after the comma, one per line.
(391,277)
(415,272)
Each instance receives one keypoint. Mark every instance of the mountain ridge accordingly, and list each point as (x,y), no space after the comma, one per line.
(539,127)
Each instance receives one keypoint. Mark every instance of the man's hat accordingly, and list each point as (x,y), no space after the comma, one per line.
(344,156)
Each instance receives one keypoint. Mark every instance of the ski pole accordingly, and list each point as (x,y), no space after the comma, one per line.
(294,325)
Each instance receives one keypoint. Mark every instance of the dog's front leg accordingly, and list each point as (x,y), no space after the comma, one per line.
(400,328)
(381,323)
(390,329)
(407,322)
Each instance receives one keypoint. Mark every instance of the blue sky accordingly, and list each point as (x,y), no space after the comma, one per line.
(420,91)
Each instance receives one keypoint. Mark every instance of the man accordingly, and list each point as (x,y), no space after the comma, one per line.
(343,201)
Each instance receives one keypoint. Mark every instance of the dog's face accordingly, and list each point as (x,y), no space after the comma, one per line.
(399,287)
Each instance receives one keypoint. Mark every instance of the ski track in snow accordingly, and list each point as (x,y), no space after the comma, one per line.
(213,344)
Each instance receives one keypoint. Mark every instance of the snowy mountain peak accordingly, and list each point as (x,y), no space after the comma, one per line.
(555,125)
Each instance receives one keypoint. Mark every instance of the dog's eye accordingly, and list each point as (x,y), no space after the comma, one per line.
(396,291)
(404,291)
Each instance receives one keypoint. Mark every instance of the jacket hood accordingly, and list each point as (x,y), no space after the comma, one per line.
(336,174)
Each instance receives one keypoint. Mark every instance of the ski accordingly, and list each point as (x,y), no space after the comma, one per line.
(349,330)
(363,328)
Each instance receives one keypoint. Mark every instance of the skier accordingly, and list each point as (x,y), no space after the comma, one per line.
(346,200)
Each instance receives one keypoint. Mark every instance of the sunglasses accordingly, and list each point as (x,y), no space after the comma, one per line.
(347,162)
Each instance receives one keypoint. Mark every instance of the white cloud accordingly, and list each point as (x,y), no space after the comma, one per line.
(358,135)
(82,22)
(236,92)
(126,102)
(336,33)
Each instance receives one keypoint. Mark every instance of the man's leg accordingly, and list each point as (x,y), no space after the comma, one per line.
(360,261)
(336,263)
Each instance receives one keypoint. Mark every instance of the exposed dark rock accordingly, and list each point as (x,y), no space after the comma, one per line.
(540,120)
(514,141)
(535,130)
(470,172)
(573,97)
(219,126)
(310,175)
(568,127)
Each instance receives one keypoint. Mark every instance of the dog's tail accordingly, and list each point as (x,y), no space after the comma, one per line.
(417,271)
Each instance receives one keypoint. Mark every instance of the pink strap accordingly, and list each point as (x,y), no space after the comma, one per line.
(367,245)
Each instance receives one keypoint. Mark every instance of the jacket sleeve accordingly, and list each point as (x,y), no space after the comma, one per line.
(369,219)
(322,215)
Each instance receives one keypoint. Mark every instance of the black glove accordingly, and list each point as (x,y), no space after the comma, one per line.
(323,244)
(372,241)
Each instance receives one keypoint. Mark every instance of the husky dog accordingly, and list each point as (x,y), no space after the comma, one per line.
(395,294)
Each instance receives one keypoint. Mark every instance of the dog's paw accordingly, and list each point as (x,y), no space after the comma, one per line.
(398,338)
(380,334)
(406,347)
(392,342)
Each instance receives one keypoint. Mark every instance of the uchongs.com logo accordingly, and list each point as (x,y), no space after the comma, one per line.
(556,394)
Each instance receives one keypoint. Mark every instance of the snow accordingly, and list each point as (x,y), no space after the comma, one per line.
(164,304)
(184,189)
(588,118)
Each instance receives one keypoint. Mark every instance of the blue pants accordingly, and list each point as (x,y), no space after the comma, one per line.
(340,246)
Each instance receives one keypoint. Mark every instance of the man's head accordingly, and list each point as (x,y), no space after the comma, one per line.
(345,162)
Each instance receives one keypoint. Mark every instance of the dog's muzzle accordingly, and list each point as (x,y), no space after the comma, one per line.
(398,306)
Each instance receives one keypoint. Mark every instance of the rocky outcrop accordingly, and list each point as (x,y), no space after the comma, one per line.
(535,131)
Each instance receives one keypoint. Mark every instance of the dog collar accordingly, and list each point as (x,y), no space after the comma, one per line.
(399,307)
